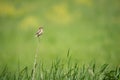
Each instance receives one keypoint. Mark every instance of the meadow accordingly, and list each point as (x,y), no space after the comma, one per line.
(90,29)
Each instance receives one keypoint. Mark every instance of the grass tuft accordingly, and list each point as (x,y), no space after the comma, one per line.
(64,70)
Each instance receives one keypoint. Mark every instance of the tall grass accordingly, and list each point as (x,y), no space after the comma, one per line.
(64,69)
(35,62)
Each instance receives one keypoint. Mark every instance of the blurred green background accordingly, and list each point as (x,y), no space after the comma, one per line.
(90,28)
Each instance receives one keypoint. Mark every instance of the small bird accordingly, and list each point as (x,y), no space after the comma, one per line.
(39,32)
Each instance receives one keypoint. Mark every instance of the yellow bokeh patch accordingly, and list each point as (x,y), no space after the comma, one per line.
(7,9)
(84,2)
(29,21)
(59,14)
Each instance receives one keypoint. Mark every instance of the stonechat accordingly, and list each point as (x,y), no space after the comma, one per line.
(39,32)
